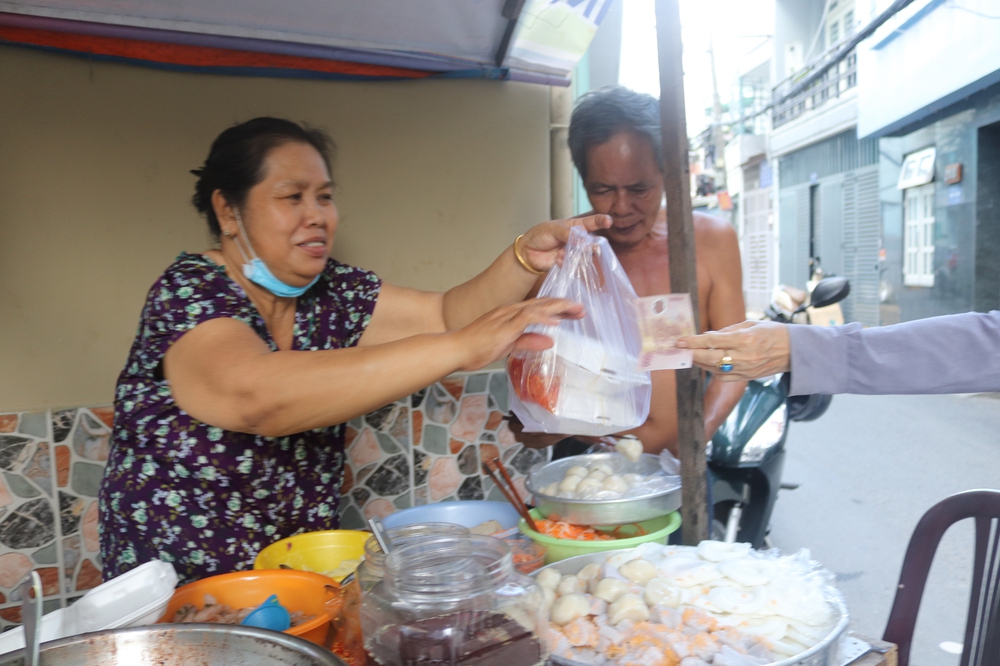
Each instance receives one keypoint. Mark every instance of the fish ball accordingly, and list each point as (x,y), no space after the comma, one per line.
(628,607)
(548,578)
(659,591)
(570,483)
(629,447)
(610,589)
(638,571)
(576,470)
(570,607)
(589,572)
(615,484)
(569,585)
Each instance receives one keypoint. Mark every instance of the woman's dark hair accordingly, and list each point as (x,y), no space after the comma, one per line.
(601,114)
(236,160)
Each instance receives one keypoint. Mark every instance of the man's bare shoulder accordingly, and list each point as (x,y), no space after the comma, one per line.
(712,231)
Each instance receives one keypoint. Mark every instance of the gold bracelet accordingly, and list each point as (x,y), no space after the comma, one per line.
(520,259)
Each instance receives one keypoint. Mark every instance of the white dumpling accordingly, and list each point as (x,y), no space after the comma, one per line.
(548,597)
(602,467)
(638,571)
(615,484)
(589,485)
(570,483)
(633,479)
(597,475)
(576,470)
(660,592)
(548,578)
(719,551)
(550,489)
(610,589)
(569,585)
(628,607)
(629,447)
(589,573)
(568,608)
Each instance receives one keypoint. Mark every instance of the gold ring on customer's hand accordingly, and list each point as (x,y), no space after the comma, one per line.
(726,364)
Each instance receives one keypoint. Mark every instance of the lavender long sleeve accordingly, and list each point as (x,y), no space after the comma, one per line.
(952,354)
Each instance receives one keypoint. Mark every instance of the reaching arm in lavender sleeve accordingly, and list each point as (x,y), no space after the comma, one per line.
(952,354)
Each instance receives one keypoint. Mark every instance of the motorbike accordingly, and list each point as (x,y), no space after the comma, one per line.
(747,454)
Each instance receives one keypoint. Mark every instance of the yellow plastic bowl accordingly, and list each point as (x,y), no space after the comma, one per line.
(657,531)
(314,551)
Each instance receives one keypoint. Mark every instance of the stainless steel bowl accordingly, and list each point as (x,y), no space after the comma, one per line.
(180,645)
(602,512)
(824,653)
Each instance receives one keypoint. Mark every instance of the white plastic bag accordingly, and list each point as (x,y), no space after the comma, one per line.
(588,383)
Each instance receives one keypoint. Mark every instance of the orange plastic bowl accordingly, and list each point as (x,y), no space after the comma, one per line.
(297,591)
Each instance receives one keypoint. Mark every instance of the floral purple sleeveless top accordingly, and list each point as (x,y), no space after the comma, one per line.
(205,499)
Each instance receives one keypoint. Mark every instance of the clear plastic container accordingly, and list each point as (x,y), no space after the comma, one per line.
(454,600)
(370,571)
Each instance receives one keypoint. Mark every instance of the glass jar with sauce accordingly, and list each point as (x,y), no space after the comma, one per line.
(451,601)
(371,568)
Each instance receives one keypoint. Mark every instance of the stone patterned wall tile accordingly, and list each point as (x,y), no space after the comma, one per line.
(5,495)
(454,446)
(71,558)
(498,390)
(47,555)
(435,439)
(39,468)
(89,576)
(70,509)
(488,452)
(494,420)
(378,507)
(381,417)
(505,437)
(400,429)
(87,478)
(391,478)
(471,489)
(440,406)
(402,502)
(8,423)
(14,450)
(348,481)
(106,414)
(476,383)
(30,525)
(365,449)
(349,435)
(525,459)
(420,496)
(468,461)
(36,425)
(91,438)
(417,398)
(361,496)
(89,528)
(418,427)
(63,458)
(454,385)
(351,518)
(21,486)
(444,478)
(13,568)
(11,614)
(421,466)
(50,580)
(387,444)
(471,418)
(364,472)
(62,423)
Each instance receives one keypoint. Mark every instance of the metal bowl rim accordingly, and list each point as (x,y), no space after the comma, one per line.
(608,502)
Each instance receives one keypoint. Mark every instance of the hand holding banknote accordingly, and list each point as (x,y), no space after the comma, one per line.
(662,321)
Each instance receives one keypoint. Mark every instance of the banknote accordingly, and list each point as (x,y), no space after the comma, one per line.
(662,320)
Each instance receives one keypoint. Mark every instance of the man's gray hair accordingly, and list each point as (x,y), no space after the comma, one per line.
(601,114)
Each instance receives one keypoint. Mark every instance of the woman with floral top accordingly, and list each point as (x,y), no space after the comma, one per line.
(249,357)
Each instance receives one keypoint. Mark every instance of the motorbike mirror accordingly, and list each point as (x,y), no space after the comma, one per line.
(829,291)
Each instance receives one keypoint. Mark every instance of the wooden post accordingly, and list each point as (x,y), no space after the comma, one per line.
(683,273)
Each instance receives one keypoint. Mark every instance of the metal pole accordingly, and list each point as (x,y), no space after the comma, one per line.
(683,273)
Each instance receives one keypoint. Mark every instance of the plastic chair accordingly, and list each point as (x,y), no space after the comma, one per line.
(982,629)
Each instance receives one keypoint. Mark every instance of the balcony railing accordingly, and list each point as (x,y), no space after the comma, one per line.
(826,79)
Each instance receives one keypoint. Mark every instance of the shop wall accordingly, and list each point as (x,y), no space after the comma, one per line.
(428,447)
(955,134)
(435,178)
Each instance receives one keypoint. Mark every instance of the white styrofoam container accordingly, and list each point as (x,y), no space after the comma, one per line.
(137,597)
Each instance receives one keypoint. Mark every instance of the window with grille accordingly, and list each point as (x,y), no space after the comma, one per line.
(918,227)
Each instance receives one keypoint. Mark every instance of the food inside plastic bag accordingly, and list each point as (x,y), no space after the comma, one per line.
(588,382)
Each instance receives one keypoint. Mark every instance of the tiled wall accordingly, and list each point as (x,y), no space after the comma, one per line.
(426,448)
(51,465)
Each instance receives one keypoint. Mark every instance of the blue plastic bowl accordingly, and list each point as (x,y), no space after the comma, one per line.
(467,513)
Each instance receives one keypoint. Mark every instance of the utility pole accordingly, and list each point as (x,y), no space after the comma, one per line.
(683,274)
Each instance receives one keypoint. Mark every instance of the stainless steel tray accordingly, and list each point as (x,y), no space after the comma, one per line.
(824,653)
(602,512)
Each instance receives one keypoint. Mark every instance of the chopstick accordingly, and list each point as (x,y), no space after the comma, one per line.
(509,491)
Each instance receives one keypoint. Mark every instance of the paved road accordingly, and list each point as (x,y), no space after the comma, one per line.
(869,469)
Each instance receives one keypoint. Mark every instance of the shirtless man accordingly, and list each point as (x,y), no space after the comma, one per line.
(614,137)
